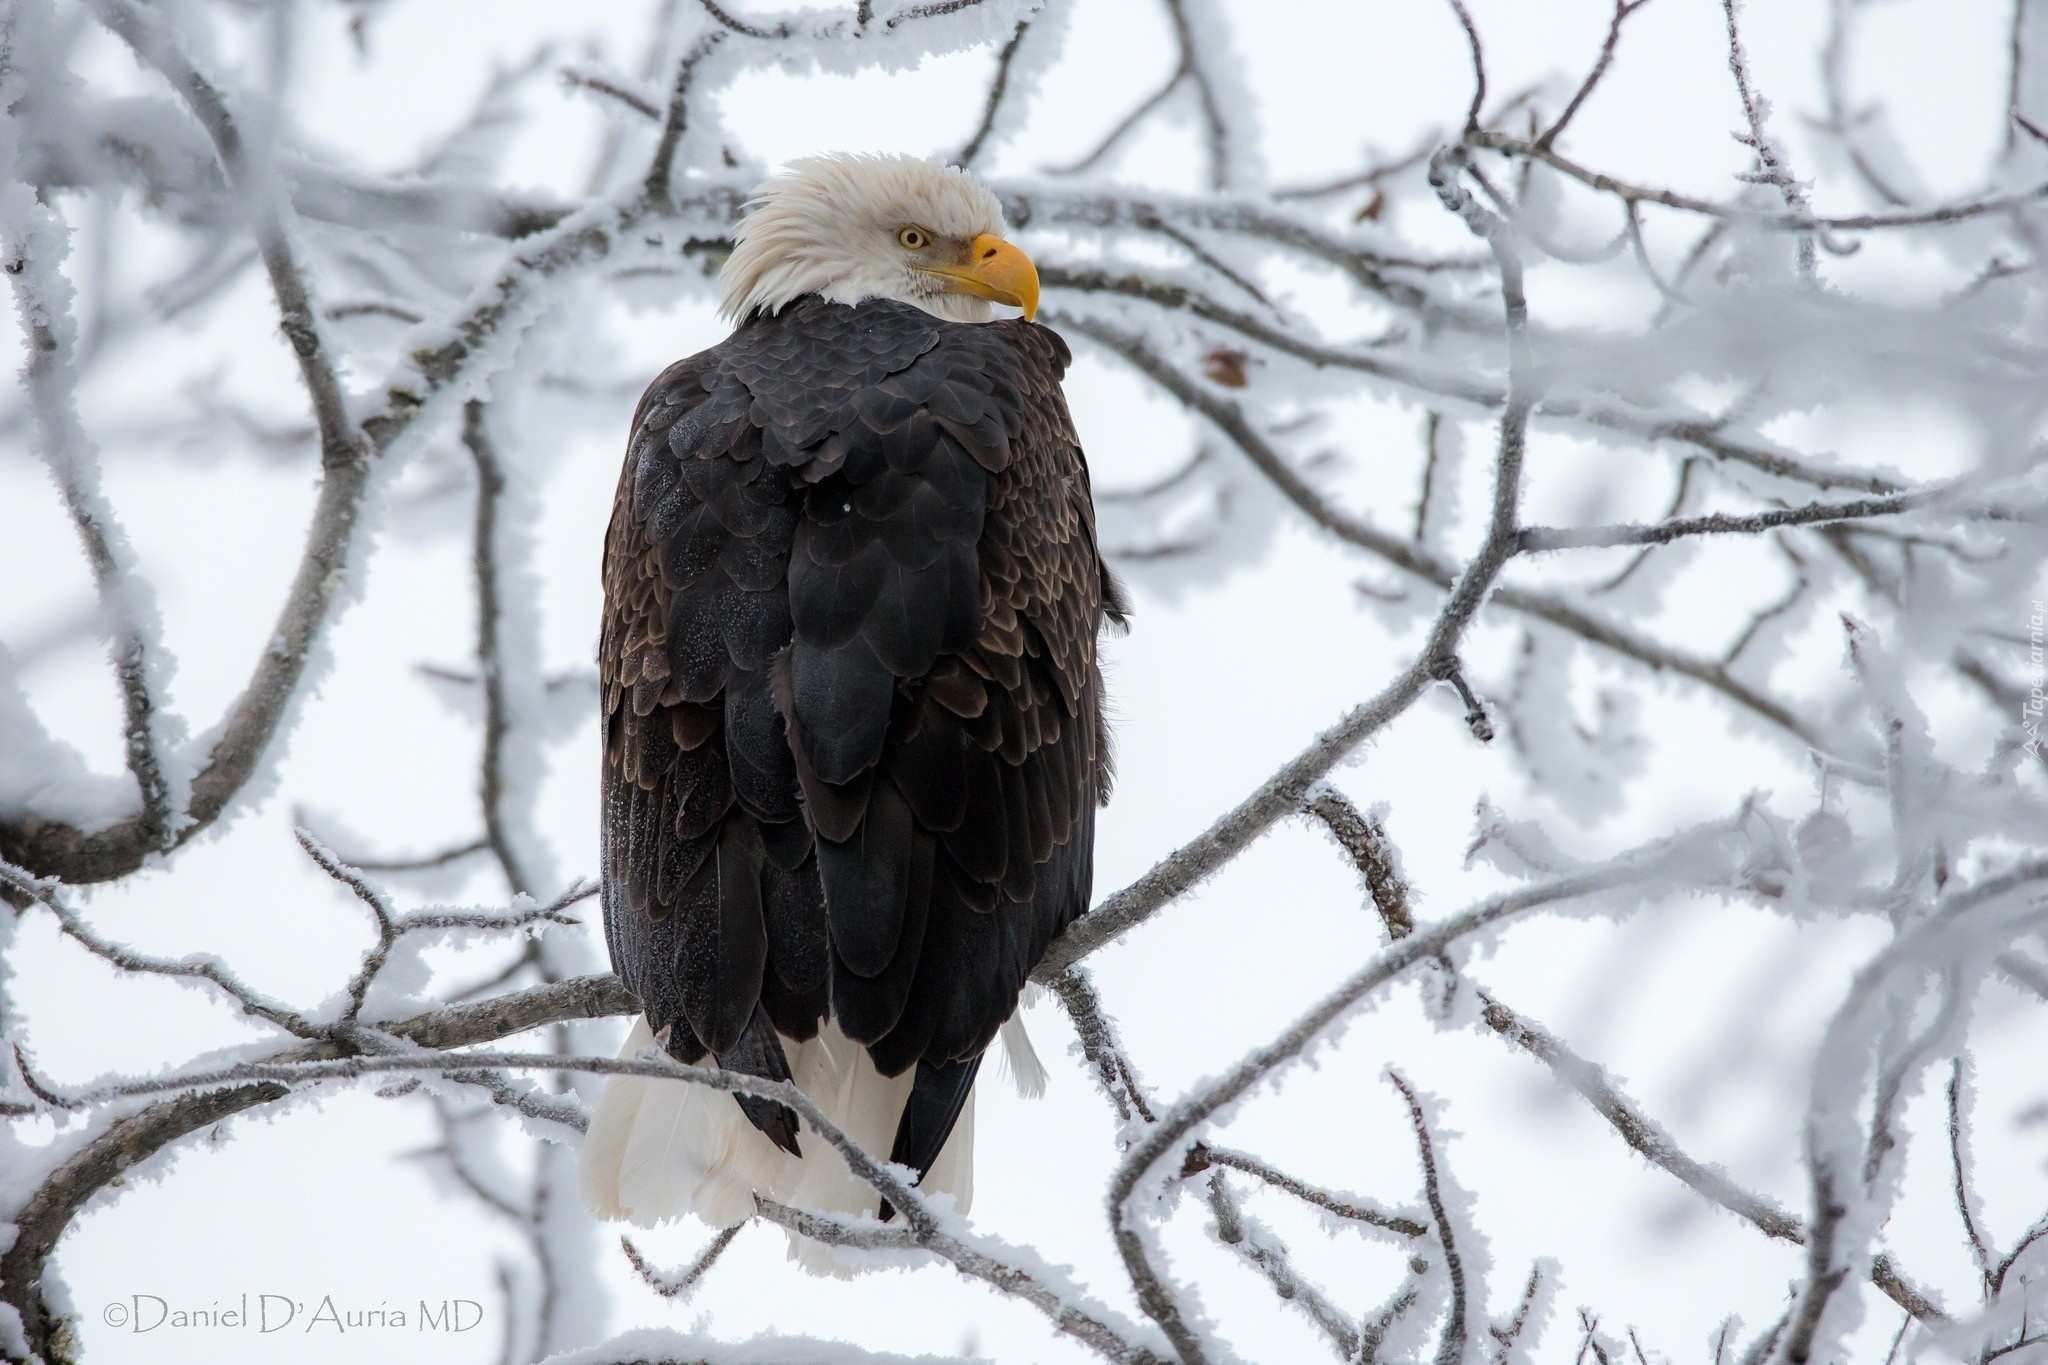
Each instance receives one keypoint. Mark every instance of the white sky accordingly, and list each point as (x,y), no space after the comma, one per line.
(1213,689)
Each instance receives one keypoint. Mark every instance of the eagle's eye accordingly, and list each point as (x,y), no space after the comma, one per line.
(914,238)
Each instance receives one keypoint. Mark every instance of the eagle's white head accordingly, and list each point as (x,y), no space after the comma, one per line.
(854,227)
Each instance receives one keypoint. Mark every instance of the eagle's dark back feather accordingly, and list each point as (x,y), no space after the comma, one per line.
(853,728)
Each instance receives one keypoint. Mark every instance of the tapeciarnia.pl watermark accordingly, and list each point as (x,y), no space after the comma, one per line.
(267,1313)
(2037,679)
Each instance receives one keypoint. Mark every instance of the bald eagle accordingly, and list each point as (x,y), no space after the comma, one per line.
(852,713)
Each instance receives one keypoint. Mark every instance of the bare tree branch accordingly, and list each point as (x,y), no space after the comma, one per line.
(1622,10)
(1546,538)
(1258,1249)
(1774,170)
(1938,216)
(1452,1347)
(30,890)
(998,91)
(678,1287)
(490,662)
(51,377)
(1265,316)
(52,848)
(660,171)
(1478,65)
(1201,1156)
(1169,1136)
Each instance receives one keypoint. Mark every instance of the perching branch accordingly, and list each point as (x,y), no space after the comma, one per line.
(1069,1318)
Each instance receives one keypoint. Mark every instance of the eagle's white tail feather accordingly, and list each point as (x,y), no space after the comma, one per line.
(659,1149)
(1026,1071)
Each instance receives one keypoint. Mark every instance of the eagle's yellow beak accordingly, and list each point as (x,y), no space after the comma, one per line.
(997,271)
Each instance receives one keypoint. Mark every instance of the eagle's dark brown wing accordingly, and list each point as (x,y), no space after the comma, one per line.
(853,723)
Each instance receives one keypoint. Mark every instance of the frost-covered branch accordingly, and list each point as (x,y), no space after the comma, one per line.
(44,299)
(1168,1138)
(1114,1073)
(490,658)
(1257,1247)
(1623,9)
(1695,419)
(134,1138)
(1655,1144)
(1201,1156)
(1963,934)
(1540,538)
(1364,840)
(923,1227)
(677,1287)
(1773,169)
(1940,215)
(1452,1346)
(30,890)
(1071,1318)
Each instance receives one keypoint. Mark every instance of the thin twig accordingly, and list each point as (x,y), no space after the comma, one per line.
(611,89)
(1254,1245)
(677,1286)
(424,862)
(1432,449)
(1939,215)
(1478,65)
(1622,10)
(490,649)
(1202,1155)
(125,598)
(1452,1347)
(1371,175)
(1507,1338)
(1958,1142)
(661,169)
(1774,169)
(1091,158)
(1215,128)
(1540,539)
(998,91)
(1113,1070)
(1364,840)
(207,970)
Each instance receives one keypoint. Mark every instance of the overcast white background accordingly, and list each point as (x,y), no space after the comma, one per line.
(1217,683)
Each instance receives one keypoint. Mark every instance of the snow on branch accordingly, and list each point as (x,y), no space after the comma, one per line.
(1617,398)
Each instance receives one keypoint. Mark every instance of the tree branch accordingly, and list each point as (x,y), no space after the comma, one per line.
(52,848)
(1452,1347)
